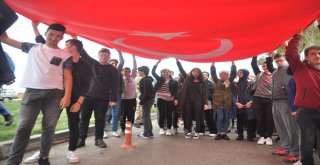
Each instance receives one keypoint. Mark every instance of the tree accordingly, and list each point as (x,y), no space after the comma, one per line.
(261,59)
(311,36)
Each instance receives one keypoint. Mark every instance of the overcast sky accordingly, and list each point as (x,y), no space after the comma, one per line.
(22,31)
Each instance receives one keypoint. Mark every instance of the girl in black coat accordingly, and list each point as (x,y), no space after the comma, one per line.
(193,100)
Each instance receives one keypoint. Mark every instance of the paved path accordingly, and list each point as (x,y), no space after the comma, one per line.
(166,150)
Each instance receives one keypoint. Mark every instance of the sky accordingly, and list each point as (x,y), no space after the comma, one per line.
(21,30)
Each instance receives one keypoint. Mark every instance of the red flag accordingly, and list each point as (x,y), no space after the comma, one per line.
(205,30)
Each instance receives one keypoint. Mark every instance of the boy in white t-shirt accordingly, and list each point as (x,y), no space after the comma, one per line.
(48,83)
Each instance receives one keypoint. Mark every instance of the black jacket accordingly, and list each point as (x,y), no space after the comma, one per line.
(173,84)
(105,79)
(7,18)
(81,76)
(146,89)
(183,94)
(6,73)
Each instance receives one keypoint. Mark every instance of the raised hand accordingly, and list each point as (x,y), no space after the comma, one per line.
(35,24)
(74,36)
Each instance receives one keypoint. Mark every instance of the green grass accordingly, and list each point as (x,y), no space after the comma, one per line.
(7,132)
(154,109)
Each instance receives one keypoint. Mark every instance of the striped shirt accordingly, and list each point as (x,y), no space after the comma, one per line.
(264,85)
(164,92)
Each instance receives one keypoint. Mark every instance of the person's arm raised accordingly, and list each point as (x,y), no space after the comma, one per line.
(39,37)
(9,41)
(213,71)
(35,29)
(292,53)
(182,71)
(134,67)
(154,74)
(254,65)
(233,72)
(270,67)
(121,61)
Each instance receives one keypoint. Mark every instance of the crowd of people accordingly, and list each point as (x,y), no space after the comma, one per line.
(284,99)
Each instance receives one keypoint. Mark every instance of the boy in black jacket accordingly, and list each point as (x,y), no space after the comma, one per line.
(146,100)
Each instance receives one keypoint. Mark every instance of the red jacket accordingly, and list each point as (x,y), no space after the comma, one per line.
(306,76)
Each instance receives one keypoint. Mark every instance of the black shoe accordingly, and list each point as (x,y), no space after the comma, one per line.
(43,161)
(81,143)
(239,137)
(250,138)
(100,143)
(218,137)
(8,120)
(225,137)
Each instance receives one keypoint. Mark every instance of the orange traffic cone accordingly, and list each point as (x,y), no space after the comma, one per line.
(128,135)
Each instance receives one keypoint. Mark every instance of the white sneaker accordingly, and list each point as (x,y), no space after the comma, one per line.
(212,135)
(261,141)
(162,132)
(196,136)
(168,132)
(72,157)
(298,163)
(33,158)
(269,141)
(115,134)
(105,135)
(201,134)
(188,135)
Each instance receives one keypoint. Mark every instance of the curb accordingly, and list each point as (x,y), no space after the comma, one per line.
(34,142)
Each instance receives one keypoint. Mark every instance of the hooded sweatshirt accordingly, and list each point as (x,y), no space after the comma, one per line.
(146,89)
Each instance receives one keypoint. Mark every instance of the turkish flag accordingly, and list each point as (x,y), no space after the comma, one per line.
(200,31)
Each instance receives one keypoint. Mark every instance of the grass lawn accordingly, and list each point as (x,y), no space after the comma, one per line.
(7,132)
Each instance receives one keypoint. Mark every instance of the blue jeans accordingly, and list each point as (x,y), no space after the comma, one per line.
(223,117)
(35,100)
(309,123)
(115,111)
(3,110)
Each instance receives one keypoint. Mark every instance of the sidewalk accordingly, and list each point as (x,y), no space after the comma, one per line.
(169,150)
